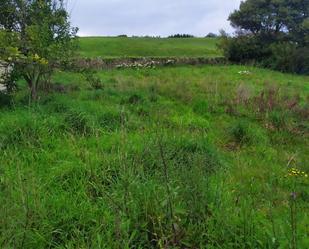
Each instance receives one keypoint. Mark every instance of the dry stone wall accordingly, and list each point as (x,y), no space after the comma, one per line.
(5,71)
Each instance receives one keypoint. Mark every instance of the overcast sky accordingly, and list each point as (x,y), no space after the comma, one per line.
(150,17)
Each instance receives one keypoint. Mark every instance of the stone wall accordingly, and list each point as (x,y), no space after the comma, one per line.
(99,63)
(5,70)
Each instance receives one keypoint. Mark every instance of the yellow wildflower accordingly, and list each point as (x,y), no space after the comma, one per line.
(296,173)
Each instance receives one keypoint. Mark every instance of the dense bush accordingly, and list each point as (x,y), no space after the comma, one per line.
(281,56)
(244,49)
(93,80)
(300,60)
(5,100)
(287,57)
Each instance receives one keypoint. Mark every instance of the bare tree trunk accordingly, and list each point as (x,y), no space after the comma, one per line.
(33,84)
(33,93)
(30,84)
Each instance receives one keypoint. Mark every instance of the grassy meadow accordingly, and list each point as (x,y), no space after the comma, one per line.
(171,157)
(113,47)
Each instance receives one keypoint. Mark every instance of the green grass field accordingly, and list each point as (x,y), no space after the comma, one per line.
(112,47)
(172,157)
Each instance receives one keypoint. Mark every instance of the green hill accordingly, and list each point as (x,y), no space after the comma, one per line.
(148,47)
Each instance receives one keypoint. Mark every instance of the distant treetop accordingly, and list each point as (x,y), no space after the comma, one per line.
(211,35)
(181,36)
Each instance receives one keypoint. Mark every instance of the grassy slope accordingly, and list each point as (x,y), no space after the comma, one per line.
(151,47)
(85,170)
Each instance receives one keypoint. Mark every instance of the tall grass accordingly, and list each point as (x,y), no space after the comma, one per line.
(156,159)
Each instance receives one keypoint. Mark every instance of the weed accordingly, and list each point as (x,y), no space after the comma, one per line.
(77,122)
(112,121)
(278,119)
(240,132)
(134,99)
(93,80)
(201,107)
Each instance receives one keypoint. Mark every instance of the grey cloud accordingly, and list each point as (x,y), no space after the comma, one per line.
(151,17)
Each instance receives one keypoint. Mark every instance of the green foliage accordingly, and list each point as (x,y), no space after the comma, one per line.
(300,61)
(211,35)
(244,49)
(275,17)
(281,56)
(272,33)
(181,36)
(240,132)
(287,57)
(5,100)
(201,107)
(36,36)
(93,80)
(278,119)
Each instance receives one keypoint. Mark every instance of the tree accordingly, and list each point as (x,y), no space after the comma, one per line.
(278,19)
(272,33)
(181,36)
(36,37)
(211,35)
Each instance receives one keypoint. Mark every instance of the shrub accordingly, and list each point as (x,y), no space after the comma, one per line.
(278,119)
(300,60)
(93,80)
(243,49)
(5,100)
(281,54)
